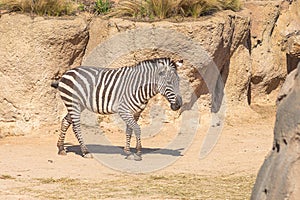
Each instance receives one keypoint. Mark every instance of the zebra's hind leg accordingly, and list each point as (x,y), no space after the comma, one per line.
(77,132)
(137,132)
(138,155)
(65,124)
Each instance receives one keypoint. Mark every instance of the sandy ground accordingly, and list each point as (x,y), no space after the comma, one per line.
(31,169)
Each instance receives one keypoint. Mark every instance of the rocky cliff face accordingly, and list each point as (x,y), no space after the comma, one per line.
(274,26)
(32,51)
(250,48)
(223,41)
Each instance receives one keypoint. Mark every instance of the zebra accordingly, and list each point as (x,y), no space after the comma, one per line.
(124,90)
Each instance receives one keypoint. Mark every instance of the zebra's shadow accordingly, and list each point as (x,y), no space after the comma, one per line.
(118,150)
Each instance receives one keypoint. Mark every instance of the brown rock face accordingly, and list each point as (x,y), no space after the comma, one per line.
(253,50)
(224,40)
(32,51)
(279,176)
(35,50)
(273,26)
(216,43)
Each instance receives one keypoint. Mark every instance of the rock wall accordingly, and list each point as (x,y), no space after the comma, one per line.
(251,49)
(223,38)
(32,51)
(273,27)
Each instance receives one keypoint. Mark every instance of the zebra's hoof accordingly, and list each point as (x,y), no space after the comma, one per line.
(88,155)
(127,152)
(62,152)
(137,157)
(129,157)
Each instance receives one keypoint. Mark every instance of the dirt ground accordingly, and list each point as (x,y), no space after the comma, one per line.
(31,169)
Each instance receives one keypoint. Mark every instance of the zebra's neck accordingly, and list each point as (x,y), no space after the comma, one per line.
(142,82)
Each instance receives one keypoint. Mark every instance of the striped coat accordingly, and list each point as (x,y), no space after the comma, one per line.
(124,90)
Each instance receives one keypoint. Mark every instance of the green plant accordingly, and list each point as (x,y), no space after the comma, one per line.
(102,6)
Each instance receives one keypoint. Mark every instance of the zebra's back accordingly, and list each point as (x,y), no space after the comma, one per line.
(91,88)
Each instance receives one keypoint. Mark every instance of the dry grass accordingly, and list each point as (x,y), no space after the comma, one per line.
(40,7)
(142,9)
(171,186)
(234,5)
(162,9)
(136,9)
(6,177)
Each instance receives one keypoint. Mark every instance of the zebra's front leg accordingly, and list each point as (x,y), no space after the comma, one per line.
(128,138)
(65,124)
(131,124)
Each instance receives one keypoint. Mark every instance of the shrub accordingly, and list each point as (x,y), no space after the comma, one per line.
(161,9)
(40,7)
(169,8)
(234,5)
(102,6)
(131,9)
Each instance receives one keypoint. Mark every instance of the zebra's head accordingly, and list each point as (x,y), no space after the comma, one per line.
(168,81)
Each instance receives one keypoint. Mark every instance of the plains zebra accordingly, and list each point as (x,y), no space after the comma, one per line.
(124,90)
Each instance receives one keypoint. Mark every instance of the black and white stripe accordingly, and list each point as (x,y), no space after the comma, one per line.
(125,91)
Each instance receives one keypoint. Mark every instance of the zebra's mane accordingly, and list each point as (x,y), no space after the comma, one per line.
(150,62)
(167,61)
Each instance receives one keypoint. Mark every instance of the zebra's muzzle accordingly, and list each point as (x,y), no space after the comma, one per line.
(175,106)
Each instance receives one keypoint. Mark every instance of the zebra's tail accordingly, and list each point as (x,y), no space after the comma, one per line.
(55,84)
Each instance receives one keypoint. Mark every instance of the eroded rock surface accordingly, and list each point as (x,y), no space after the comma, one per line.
(32,51)
(253,49)
(279,176)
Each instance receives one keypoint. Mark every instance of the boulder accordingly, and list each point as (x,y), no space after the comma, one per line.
(279,176)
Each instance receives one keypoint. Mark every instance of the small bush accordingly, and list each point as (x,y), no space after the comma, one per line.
(102,6)
(142,9)
(162,9)
(40,7)
(234,5)
(131,9)
(196,8)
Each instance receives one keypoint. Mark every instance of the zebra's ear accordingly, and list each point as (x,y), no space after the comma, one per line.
(179,63)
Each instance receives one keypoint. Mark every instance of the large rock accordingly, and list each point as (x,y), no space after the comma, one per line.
(279,176)
(273,23)
(32,52)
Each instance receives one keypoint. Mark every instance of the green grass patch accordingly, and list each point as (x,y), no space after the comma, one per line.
(102,6)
